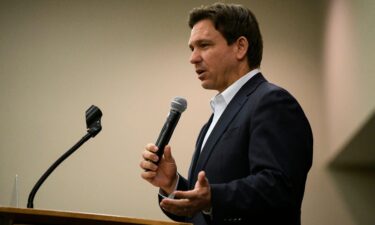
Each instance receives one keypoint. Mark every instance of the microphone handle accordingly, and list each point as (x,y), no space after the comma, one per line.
(167,131)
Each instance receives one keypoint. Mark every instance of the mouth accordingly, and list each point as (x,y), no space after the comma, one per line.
(200,73)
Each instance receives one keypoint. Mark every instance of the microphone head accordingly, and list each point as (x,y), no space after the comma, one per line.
(179,104)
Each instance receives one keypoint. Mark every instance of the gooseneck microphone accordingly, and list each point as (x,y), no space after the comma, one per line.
(93,116)
(178,105)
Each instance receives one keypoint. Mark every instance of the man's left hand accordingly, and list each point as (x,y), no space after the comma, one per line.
(188,203)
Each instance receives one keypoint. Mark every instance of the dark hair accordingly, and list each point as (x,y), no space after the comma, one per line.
(233,21)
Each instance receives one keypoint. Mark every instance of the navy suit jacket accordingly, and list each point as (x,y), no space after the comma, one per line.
(256,159)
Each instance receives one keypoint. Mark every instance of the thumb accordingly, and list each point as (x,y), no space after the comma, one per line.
(202,179)
(168,154)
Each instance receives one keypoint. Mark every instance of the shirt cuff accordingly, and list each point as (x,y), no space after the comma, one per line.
(163,194)
(208,213)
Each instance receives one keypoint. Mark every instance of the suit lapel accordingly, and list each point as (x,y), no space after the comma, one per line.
(198,147)
(228,115)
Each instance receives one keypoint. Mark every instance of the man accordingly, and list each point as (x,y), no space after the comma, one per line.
(252,157)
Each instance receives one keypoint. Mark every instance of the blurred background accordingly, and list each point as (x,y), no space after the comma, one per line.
(130,58)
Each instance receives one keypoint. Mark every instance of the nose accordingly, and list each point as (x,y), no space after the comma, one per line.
(195,57)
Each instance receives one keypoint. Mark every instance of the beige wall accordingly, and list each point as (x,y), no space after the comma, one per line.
(349,70)
(130,58)
(349,82)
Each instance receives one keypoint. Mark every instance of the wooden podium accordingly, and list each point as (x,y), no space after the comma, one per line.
(9,216)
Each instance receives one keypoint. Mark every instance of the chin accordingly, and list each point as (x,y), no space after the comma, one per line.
(205,85)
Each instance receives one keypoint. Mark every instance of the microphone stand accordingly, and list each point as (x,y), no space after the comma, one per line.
(93,116)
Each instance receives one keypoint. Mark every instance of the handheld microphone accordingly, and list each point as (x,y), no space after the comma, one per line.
(178,105)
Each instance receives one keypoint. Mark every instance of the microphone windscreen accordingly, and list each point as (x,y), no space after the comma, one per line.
(179,104)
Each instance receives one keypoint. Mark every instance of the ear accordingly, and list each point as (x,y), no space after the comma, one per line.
(242,46)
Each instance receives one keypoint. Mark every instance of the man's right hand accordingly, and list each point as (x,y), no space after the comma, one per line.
(163,174)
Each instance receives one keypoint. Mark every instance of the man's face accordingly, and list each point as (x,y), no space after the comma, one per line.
(214,60)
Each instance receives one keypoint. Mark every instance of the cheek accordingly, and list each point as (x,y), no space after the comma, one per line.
(213,60)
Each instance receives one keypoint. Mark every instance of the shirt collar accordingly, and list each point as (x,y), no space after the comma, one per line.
(227,95)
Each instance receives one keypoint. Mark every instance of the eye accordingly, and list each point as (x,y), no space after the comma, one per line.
(204,45)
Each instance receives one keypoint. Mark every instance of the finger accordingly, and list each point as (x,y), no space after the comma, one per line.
(168,154)
(151,147)
(149,175)
(185,194)
(180,207)
(181,211)
(174,204)
(148,165)
(202,179)
(150,156)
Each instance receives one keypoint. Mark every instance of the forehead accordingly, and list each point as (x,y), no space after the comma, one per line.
(203,30)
